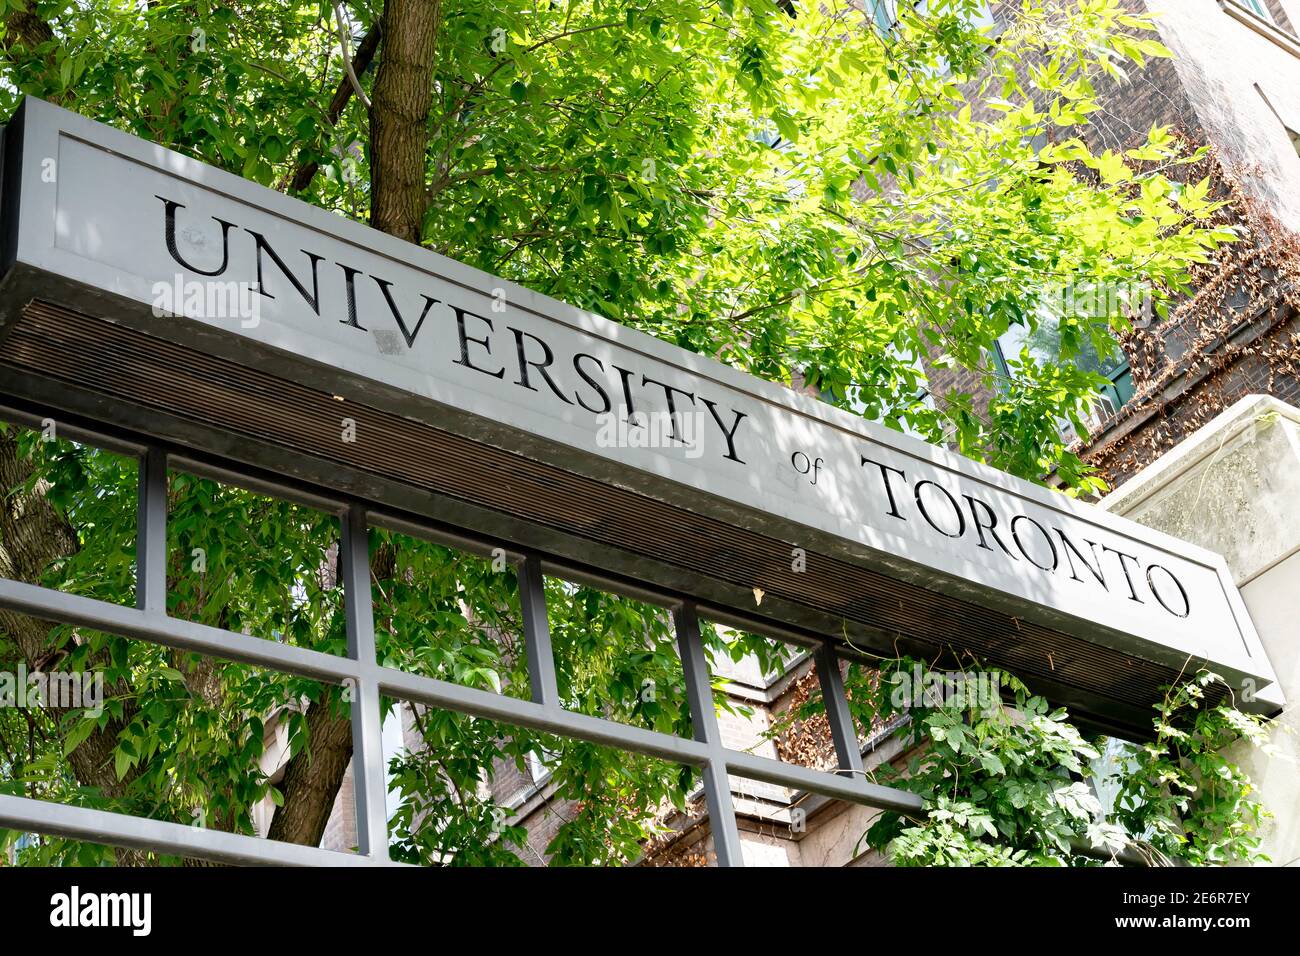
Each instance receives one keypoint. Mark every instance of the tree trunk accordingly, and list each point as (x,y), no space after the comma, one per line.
(399,116)
(313,777)
(32,536)
(24,28)
(401,97)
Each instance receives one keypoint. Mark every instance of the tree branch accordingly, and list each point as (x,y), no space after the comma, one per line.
(344,48)
(365,55)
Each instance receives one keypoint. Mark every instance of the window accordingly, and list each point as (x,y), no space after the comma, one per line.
(884,12)
(1282,108)
(1268,20)
(1044,345)
(538,765)
(1257,7)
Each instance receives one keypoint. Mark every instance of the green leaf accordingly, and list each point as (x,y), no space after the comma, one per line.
(79,732)
(992,764)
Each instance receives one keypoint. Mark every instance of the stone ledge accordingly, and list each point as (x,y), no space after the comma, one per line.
(1265,28)
(1251,512)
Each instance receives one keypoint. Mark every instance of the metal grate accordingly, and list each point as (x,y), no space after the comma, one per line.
(149,621)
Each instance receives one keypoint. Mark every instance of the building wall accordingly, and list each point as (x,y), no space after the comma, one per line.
(1262,357)
(1244,85)
(1234,83)
(1280,11)
(1232,487)
(1151,96)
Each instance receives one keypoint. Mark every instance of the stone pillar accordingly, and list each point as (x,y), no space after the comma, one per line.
(1234,487)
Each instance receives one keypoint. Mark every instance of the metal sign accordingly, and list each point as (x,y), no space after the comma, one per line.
(105,225)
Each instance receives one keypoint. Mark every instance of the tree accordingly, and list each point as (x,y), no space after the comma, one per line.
(792,188)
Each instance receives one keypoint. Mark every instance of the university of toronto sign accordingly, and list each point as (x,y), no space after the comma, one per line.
(135,234)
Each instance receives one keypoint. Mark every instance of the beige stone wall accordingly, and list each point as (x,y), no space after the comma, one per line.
(1234,487)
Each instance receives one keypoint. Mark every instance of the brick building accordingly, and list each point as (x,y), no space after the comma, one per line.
(1233,85)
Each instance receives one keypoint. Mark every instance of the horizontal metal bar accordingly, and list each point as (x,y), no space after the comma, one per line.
(1126,857)
(480,703)
(49,604)
(486,547)
(480,547)
(525,713)
(125,442)
(260,486)
(594,579)
(853,789)
(160,836)
(738,621)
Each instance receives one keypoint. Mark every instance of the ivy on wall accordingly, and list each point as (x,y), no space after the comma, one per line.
(1183,364)
(1008,782)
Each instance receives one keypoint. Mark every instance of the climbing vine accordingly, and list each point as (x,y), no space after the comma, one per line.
(1236,334)
(1010,782)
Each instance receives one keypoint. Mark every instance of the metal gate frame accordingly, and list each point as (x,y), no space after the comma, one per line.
(149,621)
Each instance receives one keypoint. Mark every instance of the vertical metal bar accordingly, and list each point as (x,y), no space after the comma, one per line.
(151,532)
(704,721)
(537,633)
(369,779)
(847,748)
(722,815)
